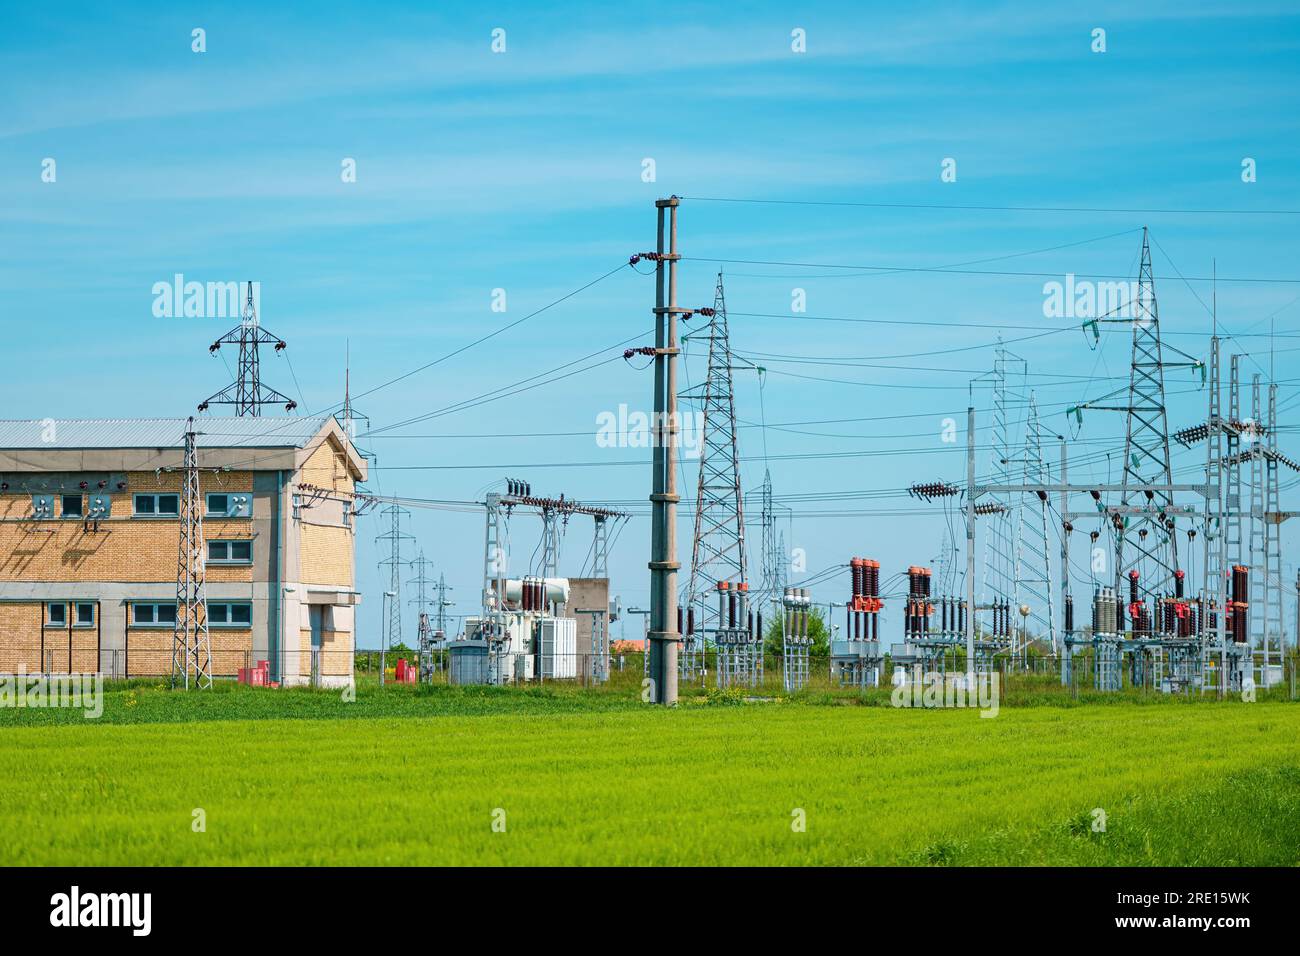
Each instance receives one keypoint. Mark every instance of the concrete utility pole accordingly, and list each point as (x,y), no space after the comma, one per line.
(664,565)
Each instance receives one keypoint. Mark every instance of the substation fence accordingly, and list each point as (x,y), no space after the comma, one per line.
(443,666)
(153,659)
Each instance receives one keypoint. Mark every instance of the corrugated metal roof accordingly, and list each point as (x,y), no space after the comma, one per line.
(244,432)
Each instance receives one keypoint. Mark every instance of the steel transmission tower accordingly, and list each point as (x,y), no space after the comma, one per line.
(191,649)
(247,393)
(394,537)
(718,549)
(1146,449)
(774,563)
(1144,521)
(1000,545)
(1033,573)
(443,604)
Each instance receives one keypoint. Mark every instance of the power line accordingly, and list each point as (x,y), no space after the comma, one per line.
(991,208)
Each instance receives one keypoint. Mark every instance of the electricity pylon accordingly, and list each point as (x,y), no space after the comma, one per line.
(395,536)
(424,636)
(774,563)
(247,393)
(1146,447)
(1000,544)
(1144,521)
(1033,573)
(191,649)
(718,548)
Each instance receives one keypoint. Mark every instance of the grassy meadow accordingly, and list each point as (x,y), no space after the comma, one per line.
(558,775)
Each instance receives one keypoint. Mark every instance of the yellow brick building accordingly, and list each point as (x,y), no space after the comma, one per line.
(90,533)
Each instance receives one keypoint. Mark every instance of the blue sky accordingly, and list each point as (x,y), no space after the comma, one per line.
(523,171)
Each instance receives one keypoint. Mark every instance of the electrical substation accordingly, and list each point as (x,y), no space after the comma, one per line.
(1179,590)
(1184,592)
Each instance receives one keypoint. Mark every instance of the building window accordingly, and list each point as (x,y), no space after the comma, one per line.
(85,612)
(153,615)
(218,505)
(71,505)
(230,614)
(56,615)
(231,552)
(157,506)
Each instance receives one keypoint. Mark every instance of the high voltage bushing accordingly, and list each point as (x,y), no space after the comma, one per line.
(795,603)
(1239,606)
(862,613)
(916,623)
(1105,611)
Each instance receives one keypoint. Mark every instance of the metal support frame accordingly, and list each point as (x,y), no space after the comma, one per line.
(191,646)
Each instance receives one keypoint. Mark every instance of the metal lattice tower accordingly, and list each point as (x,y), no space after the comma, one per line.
(551,521)
(1000,547)
(443,604)
(774,563)
(421,601)
(191,648)
(1272,519)
(395,536)
(1265,546)
(600,550)
(247,393)
(1033,573)
(1146,449)
(718,548)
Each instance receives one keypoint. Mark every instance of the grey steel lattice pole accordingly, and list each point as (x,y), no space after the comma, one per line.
(1272,531)
(1258,561)
(394,537)
(970,548)
(1066,529)
(191,648)
(421,601)
(600,549)
(1146,446)
(664,565)
(1001,541)
(774,564)
(718,545)
(1033,573)
(247,393)
(550,543)
(443,604)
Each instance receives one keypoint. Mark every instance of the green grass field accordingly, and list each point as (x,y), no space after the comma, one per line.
(417,776)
